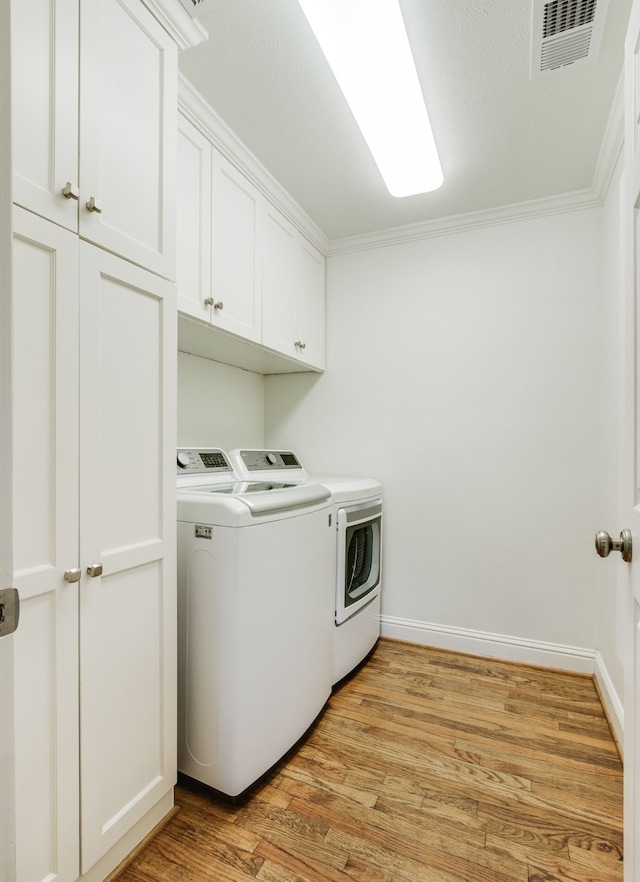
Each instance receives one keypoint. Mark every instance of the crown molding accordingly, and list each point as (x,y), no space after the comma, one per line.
(175,19)
(199,112)
(461,223)
(592,197)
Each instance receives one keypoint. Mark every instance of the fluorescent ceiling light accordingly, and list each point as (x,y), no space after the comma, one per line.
(366,45)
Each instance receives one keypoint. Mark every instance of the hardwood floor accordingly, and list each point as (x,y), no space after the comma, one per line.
(427,766)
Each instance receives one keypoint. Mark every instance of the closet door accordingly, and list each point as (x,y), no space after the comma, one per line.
(45,525)
(127,546)
(44,85)
(128,113)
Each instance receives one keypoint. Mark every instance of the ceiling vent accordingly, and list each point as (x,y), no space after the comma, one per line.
(565,33)
(196,8)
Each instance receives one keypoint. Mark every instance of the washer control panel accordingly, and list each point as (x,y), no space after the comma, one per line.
(262,460)
(209,460)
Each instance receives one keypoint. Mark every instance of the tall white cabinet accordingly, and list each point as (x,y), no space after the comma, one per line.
(94,328)
(45,527)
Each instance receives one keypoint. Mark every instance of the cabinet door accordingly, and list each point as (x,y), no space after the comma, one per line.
(311,304)
(45,526)
(279,282)
(127,527)
(194,221)
(128,112)
(235,273)
(44,75)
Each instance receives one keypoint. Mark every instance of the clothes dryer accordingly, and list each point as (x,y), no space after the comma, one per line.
(254,635)
(356,518)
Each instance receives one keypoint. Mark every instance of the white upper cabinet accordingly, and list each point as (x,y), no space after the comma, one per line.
(120,194)
(311,304)
(218,238)
(194,221)
(293,292)
(243,267)
(235,251)
(44,80)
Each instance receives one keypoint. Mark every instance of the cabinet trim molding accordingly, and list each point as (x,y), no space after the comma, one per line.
(184,30)
(199,112)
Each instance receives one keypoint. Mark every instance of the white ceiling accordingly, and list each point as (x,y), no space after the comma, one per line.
(502,137)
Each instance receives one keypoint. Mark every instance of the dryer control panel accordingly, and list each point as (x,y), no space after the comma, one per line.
(199,460)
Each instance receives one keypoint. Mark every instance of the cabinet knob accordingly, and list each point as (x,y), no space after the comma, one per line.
(70,191)
(72,575)
(94,570)
(208,301)
(218,304)
(300,345)
(94,205)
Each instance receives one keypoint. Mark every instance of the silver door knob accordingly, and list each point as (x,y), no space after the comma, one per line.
(72,575)
(605,544)
(94,570)
(94,205)
(218,304)
(208,301)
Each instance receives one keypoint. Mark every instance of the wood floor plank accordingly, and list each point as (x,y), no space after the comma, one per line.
(426,766)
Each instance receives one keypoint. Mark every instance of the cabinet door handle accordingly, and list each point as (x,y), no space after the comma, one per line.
(73,575)
(94,205)
(300,345)
(70,191)
(94,570)
(208,301)
(218,304)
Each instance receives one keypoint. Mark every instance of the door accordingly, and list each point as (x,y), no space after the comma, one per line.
(45,107)
(128,353)
(128,113)
(235,257)
(631,491)
(45,528)
(194,221)
(311,304)
(7,813)
(279,283)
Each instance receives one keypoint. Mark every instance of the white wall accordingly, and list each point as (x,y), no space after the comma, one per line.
(218,405)
(464,372)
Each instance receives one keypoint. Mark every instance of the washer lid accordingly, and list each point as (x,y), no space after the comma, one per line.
(235,505)
(284,499)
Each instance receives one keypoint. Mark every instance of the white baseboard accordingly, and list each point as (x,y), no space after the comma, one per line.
(532,652)
(610,699)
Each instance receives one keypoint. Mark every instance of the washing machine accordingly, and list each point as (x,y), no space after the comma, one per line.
(356,517)
(255,639)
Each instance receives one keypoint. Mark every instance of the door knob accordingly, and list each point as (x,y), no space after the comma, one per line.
(605,544)
(94,570)
(94,205)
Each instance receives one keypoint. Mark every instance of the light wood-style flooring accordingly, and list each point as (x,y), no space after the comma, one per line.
(426,766)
